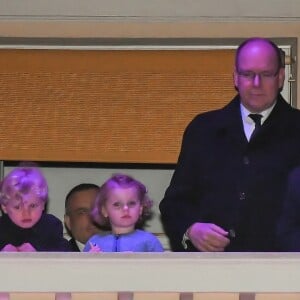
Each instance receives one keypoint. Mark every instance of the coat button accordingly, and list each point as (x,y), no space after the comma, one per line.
(242,196)
(246,160)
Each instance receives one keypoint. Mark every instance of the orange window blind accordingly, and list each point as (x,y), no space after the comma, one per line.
(106,105)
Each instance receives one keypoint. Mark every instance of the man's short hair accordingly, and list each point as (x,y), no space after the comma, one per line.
(79,188)
(279,52)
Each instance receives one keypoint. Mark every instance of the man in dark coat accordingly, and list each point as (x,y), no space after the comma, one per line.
(227,189)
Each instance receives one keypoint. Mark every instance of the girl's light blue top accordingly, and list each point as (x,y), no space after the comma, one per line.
(136,241)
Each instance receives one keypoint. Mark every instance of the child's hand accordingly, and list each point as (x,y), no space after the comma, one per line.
(94,248)
(9,248)
(26,247)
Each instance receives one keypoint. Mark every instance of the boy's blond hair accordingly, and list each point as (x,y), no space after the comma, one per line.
(22,181)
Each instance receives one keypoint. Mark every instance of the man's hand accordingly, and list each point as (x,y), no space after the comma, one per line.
(208,237)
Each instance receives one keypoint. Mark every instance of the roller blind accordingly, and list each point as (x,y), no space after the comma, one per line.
(106,106)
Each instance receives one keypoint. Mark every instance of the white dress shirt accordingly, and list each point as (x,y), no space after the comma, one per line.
(248,123)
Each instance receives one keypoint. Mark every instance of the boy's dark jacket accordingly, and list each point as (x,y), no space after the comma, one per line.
(45,235)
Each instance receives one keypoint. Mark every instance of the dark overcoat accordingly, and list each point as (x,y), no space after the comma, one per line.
(222,178)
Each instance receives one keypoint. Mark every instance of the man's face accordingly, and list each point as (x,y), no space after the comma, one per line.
(258,76)
(78,219)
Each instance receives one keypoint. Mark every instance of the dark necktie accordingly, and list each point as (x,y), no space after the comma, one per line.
(257,120)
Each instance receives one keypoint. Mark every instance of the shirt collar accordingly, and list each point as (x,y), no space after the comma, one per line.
(79,245)
(265,114)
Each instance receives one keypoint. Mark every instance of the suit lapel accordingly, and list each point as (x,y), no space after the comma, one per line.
(231,123)
(276,124)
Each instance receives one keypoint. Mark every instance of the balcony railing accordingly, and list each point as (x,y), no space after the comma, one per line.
(145,276)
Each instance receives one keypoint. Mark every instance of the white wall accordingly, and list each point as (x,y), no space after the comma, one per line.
(150,9)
